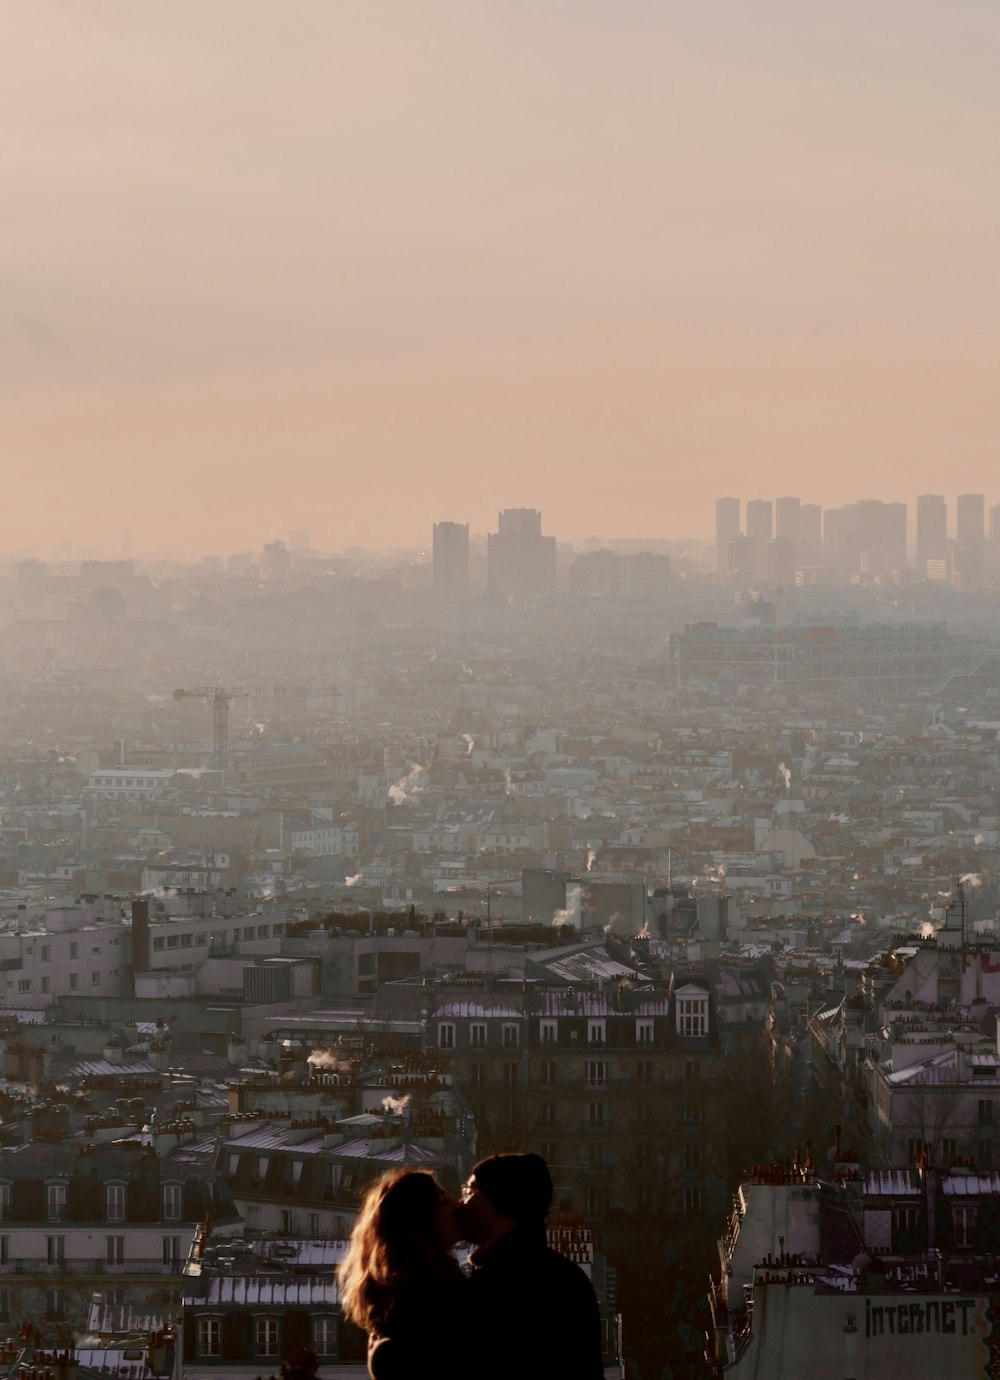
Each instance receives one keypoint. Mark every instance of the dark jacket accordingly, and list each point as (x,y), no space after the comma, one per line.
(533,1313)
(424,1334)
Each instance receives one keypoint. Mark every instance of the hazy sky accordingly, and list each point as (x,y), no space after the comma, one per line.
(355,266)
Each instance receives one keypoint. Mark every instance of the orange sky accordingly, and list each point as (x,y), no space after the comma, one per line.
(355,266)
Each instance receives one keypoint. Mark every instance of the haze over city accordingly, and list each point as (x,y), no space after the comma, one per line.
(359,268)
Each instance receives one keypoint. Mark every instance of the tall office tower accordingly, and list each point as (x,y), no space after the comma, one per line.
(760,530)
(932,532)
(787,512)
(451,561)
(970,532)
(970,518)
(810,551)
(991,554)
(760,519)
(779,562)
(727,530)
(521,562)
(866,541)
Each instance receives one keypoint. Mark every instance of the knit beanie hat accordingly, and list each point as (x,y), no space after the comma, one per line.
(519,1186)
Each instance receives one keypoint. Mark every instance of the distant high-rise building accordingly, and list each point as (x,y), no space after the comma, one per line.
(787,513)
(932,532)
(779,562)
(727,529)
(866,540)
(760,519)
(598,572)
(451,561)
(647,575)
(521,562)
(810,552)
(759,531)
(970,534)
(970,519)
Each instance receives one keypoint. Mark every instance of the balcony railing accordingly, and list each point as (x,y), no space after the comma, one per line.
(90,1265)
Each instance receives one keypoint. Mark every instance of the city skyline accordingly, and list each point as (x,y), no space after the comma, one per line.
(371,269)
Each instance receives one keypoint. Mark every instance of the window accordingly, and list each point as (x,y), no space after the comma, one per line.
(324,1336)
(692,1016)
(4,1249)
(548,1113)
(446,1035)
(287,1221)
(691,1069)
(210,1336)
(644,1032)
(985,1111)
(984,1153)
(74,951)
(597,1032)
(55,1307)
(55,1202)
(949,1150)
(914,1149)
(597,1073)
(478,1077)
(692,1114)
(692,1199)
(4,1202)
(114,1202)
(510,1075)
(692,1157)
(595,1113)
(74,982)
(963,1220)
(548,1032)
(114,1250)
(5,1305)
(95,979)
(55,1249)
(267,1336)
(509,1035)
(905,1219)
(477,1034)
(548,1072)
(171,1246)
(643,1111)
(314,1224)
(24,984)
(45,984)
(644,1070)
(45,953)
(172,1202)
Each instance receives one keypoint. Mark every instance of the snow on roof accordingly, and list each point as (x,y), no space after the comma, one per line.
(892,1181)
(249,1290)
(953,1185)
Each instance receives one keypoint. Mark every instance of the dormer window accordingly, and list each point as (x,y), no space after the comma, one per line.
(692,1012)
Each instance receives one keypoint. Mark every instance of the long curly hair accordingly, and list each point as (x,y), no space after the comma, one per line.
(395,1243)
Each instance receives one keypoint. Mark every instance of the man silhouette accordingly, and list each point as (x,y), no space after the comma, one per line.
(533,1313)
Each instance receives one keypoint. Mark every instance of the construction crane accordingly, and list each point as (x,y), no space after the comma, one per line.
(220,698)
